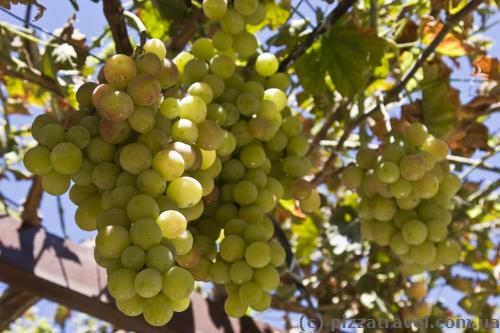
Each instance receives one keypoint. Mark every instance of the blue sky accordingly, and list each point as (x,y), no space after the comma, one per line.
(91,21)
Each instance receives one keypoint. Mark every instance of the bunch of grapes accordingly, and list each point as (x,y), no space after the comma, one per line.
(407,191)
(177,164)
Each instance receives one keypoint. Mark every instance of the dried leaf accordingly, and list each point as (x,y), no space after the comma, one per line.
(451,45)
(487,67)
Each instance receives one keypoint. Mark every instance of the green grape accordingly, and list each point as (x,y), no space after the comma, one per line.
(151,183)
(148,63)
(169,164)
(191,156)
(232,248)
(121,284)
(298,145)
(104,175)
(250,293)
(398,244)
(232,114)
(383,209)
(450,184)
(262,129)
(416,134)
(219,272)
(245,192)
(113,132)
(135,158)
(279,80)
(258,254)
(207,182)
(66,158)
(194,71)
(312,203)
(201,90)
(352,176)
(202,48)
(112,240)
(172,224)
(183,243)
(80,193)
(163,124)
(178,283)
(142,119)
(400,189)
(222,66)
(437,230)
(157,311)
(232,22)
(86,214)
(84,94)
(427,186)
(106,202)
(121,195)
(210,163)
(412,167)
(276,96)
(246,7)
(37,160)
(54,183)
(278,254)
(125,178)
(252,156)
(275,186)
(409,202)
(254,233)
(268,110)
(438,148)
(145,233)
(222,41)
(193,108)
(155,140)
(182,59)
(185,130)
(367,229)
(437,172)
(247,103)
(148,283)
(423,254)
(366,158)
(131,307)
(234,307)
(393,152)
(99,150)
(168,75)
(387,172)
(119,70)
(266,64)
(225,212)
(428,210)
(228,145)
(429,160)
(165,203)
(144,89)
(296,166)
(235,227)
(245,44)
(39,122)
(156,46)
(292,126)
(83,176)
(255,88)
(185,191)
(170,108)
(232,170)
(382,232)
(182,305)
(214,9)
(79,136)
(414,232)
(160,258)
(267,277)
(91,123)
(449,251)
(133,257)
(256,176)
(402,216)
(240,272)
(242,134)
(263,304)
(112,216)
(142,206)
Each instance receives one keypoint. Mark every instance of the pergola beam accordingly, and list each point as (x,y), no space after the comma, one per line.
(13,303)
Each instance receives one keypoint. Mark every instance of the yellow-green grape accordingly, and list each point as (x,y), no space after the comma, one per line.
(145,233)
(160,258)
(393,152)
(245,192)
(142,119)
(412,167)
(216,84)
(37,160)
(234,307)
(222,40)
(208,160)
(182,305)
(366,158)
(172,224)
(450,184)
(121,195)
(312,203)
(133,257)
(183,243)
(449,251)
(168,75)
(214,9)
(131,307)
(178,283)
(258,254)
(99,150)
(266,64)
(119,70)
(232,22)
(193,108)
(202,48)
(185,191)
(232,248)
(416,134)
(144,89)
(245,44)
(142,206)
(256,17)
(185,130)
(427,186)
(201,90)
(80,193)
(112,240)
(267,277)
(148,283)
(228,145)
(250,293)
(135,158)
(398,244)
(436,230)
(222,66)
(352,176)
(292,126)
(382,232)
(263,304)
(423,254)
(170,108)
(104,175)
(278,80)
(169,164)
(414,232)
(387,172)
(210,135)
(79,136)
(276,96)
(438,148)
(400,189)
(157,311)
(55,183)
(151,183)
(88,211)
(148,63)
(66,158)
(84,95)
(240,272)
(219,272)
(121,284)
(383,209)
(157,47)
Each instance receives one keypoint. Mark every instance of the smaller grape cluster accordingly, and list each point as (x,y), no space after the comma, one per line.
(407,191)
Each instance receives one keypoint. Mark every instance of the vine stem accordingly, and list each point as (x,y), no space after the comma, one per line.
(113,11)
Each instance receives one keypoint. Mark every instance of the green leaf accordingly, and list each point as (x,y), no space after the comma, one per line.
(152,19)
(310,71)
(305,239)
(350,56)
(440,102)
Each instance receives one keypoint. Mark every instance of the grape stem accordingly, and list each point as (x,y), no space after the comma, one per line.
(30,215)
(113,11)
(393,94)
(332,18)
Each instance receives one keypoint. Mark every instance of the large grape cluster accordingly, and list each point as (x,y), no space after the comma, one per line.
(406,191)
(176,164)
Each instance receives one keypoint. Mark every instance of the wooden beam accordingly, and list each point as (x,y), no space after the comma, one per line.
(13,303)
(65,272)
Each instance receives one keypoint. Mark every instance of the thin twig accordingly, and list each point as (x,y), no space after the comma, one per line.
(393,94)
(332,116)
(321,29)
(60,211)
(481,162)
(113,11)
